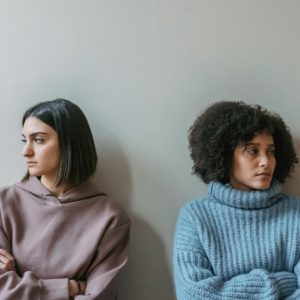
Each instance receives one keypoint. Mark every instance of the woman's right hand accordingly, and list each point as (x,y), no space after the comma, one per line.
(7,261)
(73,287)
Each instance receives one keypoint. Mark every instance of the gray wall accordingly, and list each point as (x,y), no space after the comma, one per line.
(141,71)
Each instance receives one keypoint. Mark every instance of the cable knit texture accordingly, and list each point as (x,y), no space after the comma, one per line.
(238,245)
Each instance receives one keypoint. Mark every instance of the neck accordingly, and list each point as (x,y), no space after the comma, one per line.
(50,185)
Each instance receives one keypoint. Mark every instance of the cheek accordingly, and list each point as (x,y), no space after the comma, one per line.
(274,163)
(240,165)
(53,155)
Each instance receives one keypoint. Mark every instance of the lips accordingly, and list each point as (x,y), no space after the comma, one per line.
(264,174)
(30,163)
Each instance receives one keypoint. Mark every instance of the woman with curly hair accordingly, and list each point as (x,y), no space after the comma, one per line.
(241,241)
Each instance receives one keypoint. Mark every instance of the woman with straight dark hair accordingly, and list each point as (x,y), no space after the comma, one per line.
(60,236)
(240,241)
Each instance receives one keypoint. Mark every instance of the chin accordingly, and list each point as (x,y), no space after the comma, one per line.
(34,173)
(262,186)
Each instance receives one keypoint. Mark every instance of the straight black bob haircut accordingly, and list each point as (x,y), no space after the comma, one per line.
(225,124)
(78,156)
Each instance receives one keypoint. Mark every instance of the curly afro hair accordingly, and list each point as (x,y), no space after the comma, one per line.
(224,125)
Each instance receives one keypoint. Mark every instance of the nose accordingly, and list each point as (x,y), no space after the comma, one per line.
(27,150)
(264,161)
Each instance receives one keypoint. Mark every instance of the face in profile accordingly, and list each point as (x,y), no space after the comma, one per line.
(41,149)
(254,163)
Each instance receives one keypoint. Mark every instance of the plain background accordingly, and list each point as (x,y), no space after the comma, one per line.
(142,70)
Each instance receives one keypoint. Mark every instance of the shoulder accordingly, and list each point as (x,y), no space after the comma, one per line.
(291,198)
(96,203)
(106,208)
(289,201)
(8,193)
(195,206)
(193,211)
(5,189)
(114,213)
(10,198)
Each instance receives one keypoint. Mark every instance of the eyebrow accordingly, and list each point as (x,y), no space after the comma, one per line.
(258,144)
(36,133)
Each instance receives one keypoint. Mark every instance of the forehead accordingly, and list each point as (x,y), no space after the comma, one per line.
(34,125)
(262,138)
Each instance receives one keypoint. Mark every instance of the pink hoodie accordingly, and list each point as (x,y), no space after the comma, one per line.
(81,235)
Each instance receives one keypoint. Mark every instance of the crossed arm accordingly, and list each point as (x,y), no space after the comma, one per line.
(99,285)
(7,264)
(195,279)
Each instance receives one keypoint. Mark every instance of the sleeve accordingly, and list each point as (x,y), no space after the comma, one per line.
(194,277)
(111,258)
(29,286)
(296,294)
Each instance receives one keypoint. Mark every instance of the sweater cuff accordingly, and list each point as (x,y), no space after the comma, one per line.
(55,289)
(286,282)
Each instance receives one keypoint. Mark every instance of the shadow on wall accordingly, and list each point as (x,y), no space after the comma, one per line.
(146,275)
(292,186)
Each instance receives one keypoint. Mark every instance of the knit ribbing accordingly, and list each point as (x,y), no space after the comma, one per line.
(244,199)
(238,245)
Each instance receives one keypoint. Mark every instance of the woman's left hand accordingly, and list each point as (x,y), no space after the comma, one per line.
(7,261)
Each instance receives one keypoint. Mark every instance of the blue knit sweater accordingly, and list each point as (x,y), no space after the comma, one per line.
(238,245)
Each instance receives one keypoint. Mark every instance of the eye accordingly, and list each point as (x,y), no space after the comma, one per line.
(23,141)
(271,151)
(38,140)
(252,151)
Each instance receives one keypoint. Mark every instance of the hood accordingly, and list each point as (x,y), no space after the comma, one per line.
(79,192)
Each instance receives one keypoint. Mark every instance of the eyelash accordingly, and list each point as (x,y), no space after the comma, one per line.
(254,151)
(36,140)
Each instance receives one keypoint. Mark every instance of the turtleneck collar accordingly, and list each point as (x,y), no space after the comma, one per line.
(244,199)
